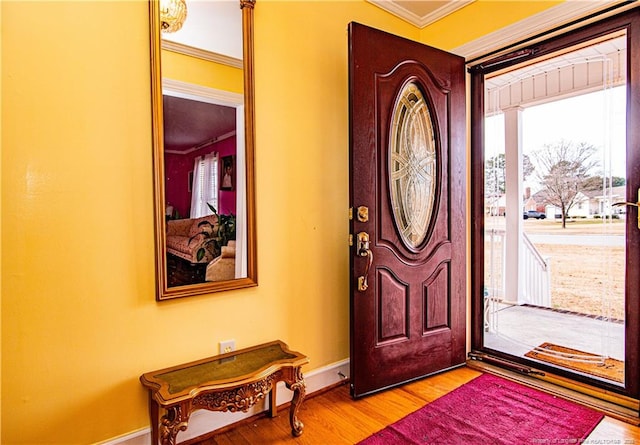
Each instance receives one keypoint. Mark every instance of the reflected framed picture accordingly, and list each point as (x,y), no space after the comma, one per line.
(228,176)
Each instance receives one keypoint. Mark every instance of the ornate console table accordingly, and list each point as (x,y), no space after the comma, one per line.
(228,382)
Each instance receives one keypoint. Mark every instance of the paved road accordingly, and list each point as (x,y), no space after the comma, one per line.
(582,240)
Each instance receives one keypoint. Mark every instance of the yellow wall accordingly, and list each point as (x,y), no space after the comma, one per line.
(201,72)
(79,318)
(480,18)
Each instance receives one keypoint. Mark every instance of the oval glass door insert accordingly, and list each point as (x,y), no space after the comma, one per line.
(412,165)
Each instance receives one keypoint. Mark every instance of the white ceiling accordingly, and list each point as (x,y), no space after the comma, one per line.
(421,13)
(608,48)
(569,73)
(211,25)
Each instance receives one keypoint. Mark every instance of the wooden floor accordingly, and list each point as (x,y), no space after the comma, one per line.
(333,417)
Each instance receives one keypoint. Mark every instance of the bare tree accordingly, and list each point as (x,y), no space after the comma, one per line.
(563,171)
(495,173)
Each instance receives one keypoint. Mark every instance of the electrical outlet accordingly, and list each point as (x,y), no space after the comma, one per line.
(227,346)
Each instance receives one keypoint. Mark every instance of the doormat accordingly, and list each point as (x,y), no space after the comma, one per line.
(611,369)
(492,410)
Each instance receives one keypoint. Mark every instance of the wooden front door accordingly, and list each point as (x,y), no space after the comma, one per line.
(407,194)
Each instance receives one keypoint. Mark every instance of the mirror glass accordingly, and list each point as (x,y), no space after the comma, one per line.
(202,88)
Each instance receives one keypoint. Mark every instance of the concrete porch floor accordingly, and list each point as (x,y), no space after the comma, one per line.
(520,328)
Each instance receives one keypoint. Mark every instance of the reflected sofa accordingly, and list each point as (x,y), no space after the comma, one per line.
(223,267)
(186,236)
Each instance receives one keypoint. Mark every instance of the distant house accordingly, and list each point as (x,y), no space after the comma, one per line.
(495,205)
(531,204)
(601,203)
(588,203)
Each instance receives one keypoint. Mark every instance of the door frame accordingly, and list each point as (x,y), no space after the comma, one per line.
(516,54)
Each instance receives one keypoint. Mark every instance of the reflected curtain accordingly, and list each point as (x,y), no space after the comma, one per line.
(205,185)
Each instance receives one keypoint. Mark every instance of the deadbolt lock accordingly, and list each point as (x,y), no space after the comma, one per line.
(363,214)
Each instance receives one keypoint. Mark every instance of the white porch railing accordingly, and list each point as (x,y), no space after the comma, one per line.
(536,272)
(537,275)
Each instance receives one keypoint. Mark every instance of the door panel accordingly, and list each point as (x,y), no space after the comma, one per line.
(393,307)
(436,292)
(407,166)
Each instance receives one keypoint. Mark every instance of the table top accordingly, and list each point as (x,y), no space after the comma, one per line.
(221,371)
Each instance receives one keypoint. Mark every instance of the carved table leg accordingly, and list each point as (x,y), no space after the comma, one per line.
(155,419)
(299,391)
(273,402)
(174,421)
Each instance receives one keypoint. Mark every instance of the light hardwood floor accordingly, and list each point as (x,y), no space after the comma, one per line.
(333,417)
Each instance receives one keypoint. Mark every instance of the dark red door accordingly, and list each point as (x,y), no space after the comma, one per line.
(407,194)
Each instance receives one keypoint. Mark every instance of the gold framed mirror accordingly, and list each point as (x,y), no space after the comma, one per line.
(203,150)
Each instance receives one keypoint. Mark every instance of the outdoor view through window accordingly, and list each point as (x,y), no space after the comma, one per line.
(555,155)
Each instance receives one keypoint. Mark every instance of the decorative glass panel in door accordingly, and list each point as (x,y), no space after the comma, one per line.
(412,165)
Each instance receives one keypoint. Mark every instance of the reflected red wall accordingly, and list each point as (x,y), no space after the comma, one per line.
(177,169)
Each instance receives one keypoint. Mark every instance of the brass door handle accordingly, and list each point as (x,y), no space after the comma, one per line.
(633,204)
(363,283)
(362,249)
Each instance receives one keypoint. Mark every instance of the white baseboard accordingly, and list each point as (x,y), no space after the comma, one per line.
(202,421)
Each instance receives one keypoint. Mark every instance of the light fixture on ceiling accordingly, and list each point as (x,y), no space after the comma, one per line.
(173,13)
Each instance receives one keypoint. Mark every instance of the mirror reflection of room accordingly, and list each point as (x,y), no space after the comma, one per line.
(200,145)
(202,139)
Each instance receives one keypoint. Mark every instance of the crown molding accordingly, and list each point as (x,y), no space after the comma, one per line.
(559,15)
(201,54)
(203,145)
(198,92)
(415,19)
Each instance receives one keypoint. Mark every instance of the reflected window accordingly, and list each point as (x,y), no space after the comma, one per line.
(205,185)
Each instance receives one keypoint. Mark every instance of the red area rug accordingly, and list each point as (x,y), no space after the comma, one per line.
(492,410)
